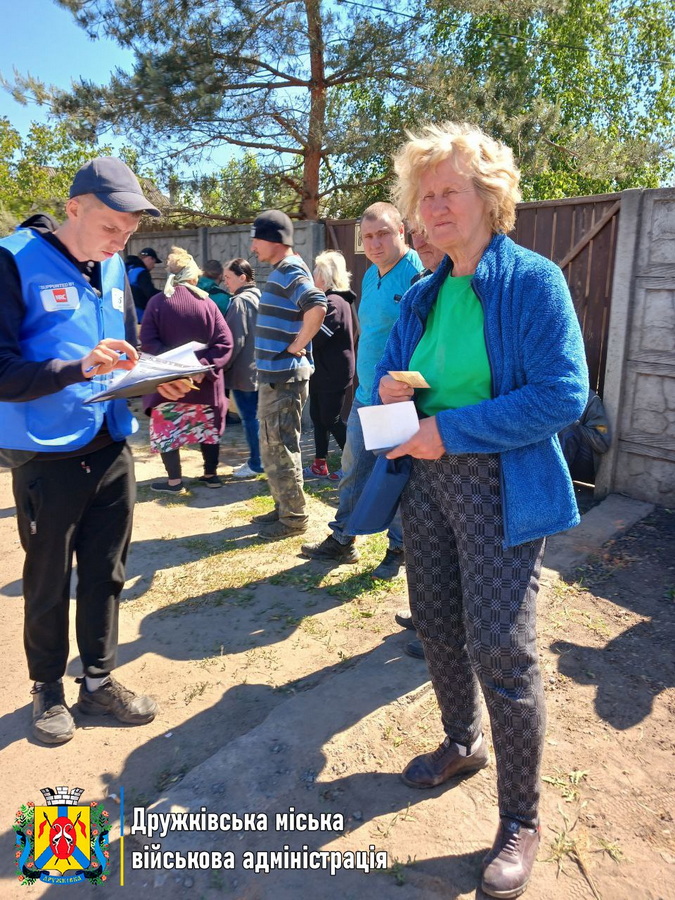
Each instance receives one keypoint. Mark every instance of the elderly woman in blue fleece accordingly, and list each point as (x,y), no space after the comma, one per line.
(495,334)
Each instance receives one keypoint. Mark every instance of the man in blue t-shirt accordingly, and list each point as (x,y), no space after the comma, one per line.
(395,265)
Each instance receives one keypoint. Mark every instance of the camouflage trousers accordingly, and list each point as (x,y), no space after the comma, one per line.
(280,416)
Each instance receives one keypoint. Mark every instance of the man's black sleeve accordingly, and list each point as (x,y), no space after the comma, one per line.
(22,379)
(143,289)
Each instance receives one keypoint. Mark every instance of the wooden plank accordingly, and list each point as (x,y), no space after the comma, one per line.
(544,227)
(567,201)
(588,237)
(525,228)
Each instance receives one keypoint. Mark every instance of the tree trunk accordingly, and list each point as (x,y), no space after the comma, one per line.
(314,149)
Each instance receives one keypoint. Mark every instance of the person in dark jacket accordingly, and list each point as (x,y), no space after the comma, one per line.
(241,376)
(333,359)
(211,282)
(138,272)
(184,313)
(585,440)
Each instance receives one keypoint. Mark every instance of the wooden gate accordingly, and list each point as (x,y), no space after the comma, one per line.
(580,235)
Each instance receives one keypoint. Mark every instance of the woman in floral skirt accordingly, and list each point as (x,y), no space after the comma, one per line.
(184,313)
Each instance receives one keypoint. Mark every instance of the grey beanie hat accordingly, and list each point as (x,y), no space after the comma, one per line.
(274,226)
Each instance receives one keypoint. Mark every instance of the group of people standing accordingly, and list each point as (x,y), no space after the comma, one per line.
(489,324)
(193,308)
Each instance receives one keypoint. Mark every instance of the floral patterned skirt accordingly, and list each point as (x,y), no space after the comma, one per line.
(174,424)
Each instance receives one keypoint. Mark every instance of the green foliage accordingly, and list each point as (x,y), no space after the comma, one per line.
(36,172)
(245,73)
(314,97)
(239,190)
(583,92)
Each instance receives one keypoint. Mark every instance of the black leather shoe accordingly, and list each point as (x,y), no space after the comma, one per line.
(508,866)
(446,762)
(52,721)
(414,649)
(330,549)
(391,566)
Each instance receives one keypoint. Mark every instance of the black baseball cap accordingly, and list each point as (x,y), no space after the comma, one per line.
(273,226)
(148,251)
(113,182)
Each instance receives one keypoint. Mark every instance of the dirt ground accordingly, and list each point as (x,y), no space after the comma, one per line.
(247,646)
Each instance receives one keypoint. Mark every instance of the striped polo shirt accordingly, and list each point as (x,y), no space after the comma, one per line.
(289,291)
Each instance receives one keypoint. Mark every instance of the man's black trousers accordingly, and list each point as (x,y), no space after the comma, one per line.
(79,506)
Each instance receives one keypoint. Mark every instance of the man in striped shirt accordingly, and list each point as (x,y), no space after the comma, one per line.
(290,313)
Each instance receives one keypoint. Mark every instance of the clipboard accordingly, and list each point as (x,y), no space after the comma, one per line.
(148,373)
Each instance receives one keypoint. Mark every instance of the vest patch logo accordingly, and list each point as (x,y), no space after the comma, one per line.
(117,299)
(59,296)
(62,842)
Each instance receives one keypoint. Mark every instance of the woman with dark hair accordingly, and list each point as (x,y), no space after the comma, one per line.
(241,376)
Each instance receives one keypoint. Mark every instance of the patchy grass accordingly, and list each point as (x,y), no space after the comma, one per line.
(567,846)
(567,784)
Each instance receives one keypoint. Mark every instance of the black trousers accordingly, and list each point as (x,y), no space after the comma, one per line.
(324,410)
(210,455)
(79,506)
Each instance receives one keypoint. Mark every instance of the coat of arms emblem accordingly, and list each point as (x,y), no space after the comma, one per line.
(62,841)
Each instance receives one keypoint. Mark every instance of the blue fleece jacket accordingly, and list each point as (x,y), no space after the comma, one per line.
(539,382)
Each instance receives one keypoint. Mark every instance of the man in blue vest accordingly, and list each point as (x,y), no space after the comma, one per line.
(66,321)
(141,283)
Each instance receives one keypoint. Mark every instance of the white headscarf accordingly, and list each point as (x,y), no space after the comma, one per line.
(190,272)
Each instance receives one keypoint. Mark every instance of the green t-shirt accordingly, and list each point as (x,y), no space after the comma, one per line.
(451,353)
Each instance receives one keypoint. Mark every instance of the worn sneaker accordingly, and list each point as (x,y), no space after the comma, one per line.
(446,762)
(508,865)
(52,721)
(111,699)
(245,471)
(265,518)
(316,471)
(330,549)
(391,566)
(279,529)
(211,481)
(404,618)
(336,476)
(163,487)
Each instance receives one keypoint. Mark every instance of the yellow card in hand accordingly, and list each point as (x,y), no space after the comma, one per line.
(414,379)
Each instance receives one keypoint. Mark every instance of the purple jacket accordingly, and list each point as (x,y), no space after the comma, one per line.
(169,322)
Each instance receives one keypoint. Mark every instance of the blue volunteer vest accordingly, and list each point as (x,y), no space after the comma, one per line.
(65,319)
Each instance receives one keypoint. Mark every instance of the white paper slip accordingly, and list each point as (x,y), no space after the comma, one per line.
(185,354)
(388,425)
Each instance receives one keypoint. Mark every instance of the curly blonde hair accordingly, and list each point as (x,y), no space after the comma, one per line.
(332,267)
(179,259)
(488,162)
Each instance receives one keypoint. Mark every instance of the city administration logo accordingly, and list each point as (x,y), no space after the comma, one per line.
(62,842)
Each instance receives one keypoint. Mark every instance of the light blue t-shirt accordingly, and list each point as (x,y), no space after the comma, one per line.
(378,311)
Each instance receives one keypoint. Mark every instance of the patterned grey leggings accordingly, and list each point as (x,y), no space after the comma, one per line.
(473,604)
